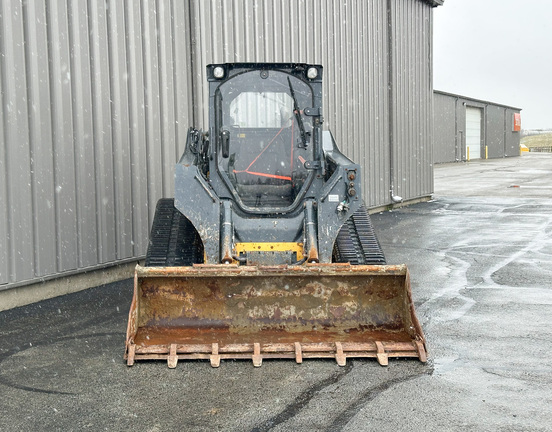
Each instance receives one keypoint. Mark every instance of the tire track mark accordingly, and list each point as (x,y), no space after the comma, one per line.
(302,400)
(353,409)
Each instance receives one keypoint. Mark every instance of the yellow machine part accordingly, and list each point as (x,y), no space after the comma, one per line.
(271,247)
(229,311)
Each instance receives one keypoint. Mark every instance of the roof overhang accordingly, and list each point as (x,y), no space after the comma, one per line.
(471,99)
(435,3)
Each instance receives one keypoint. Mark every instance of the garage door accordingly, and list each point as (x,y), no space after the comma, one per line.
(473,133)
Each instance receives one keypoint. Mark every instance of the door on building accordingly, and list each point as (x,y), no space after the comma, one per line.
(473,133)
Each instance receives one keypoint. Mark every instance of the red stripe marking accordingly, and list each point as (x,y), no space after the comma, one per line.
(265,175)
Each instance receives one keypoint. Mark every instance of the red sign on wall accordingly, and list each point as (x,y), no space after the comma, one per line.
(517,122)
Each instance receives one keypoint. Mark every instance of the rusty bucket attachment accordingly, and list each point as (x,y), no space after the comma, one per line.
(216,312)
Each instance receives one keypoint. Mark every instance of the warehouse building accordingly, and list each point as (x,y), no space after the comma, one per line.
(469,129)
(97,97)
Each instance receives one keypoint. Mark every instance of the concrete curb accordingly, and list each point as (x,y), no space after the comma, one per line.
(27,294)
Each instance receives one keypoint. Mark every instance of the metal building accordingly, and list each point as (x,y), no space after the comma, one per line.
(468,129)
(96,97)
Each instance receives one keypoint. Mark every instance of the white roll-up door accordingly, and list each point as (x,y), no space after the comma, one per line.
(473,133)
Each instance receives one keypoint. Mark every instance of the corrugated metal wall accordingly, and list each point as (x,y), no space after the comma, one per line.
(446,142)
(97,95)
(494,131)
(411,85)
(511,138)
(450,123)
(95,107)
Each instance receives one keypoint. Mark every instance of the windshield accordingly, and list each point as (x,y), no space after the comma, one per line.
(268,141)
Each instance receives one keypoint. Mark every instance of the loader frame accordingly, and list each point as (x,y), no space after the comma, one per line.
(267,250)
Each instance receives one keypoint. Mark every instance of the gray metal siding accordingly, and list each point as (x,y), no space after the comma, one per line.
(412,100)
(511,138)
(97,95)
(95,105)
(356,104)
(62,134)
(494,131)
(445,138)
(4,212)
(83,137)
(19,189)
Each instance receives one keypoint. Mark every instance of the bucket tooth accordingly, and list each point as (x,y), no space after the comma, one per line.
(339,354)
(382,356)
(257,357)
(130,354)
(298,353)
(172,359)
(215,357)
(422,355)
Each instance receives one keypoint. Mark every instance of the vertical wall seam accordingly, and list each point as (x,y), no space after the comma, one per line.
(112,122)
(146,112)
(175,80)
(391,101)
(52,128)
(134,228)
(505,124)
(94,119)
(71,66)
(431,103)
(191,53)
(32,167)
(9,241)
(160,92)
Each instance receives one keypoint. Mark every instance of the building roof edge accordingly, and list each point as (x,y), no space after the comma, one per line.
(468,98)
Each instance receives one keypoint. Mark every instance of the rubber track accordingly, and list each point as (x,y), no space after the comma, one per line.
(173,239)
(357,243)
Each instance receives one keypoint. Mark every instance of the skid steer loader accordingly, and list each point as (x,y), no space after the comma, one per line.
(267,250)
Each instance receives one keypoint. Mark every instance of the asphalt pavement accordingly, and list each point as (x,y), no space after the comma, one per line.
(480,259)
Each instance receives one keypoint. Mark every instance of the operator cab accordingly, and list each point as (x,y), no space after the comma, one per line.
(265,138)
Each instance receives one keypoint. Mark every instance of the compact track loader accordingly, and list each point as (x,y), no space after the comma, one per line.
(267,250)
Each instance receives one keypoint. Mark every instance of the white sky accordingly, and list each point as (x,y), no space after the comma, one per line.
(499,51)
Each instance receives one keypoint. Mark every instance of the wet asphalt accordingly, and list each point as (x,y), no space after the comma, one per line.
(480,258)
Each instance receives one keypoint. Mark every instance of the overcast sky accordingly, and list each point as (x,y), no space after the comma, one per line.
(499,51)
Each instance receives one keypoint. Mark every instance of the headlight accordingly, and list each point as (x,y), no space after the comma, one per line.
(312,73)
(218,72)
